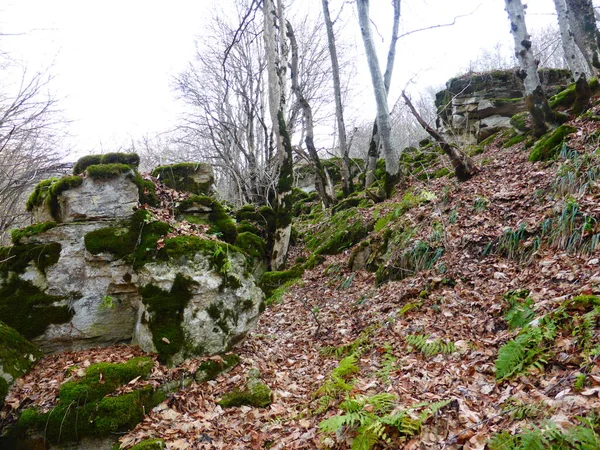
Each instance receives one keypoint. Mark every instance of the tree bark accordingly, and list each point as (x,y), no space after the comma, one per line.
(320,182)
(464,168)
(374,144)
(347,183)
(585,32)
(535,98)
(575,61)
(392,166)
(276,85)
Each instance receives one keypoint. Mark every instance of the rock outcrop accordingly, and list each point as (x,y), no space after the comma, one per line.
(96,274)
(476,105)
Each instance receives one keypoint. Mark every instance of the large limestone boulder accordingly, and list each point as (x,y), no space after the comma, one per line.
(201,301)
(476,105)
(97,275)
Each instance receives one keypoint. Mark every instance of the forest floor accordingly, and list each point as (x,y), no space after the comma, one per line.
(460,315)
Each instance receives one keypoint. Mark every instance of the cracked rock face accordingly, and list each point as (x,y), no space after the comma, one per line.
(476,105)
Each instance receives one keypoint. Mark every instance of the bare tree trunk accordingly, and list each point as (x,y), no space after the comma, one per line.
(464,168)
(339,110)
(276,84)
(320,182)
(574,58)
(585,32)
(392,166)
(374,144)
(535,98)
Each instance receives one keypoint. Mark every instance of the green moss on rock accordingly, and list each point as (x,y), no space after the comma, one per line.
(197,206)
(270,281)
(17,258)
(32,230)
(549,145)
(341,231)
(17,356)
(251,244)
(107,171)
(183,177)
(47,192)
(103,378)
(135,239)
(166,315)
(132,160)
(519,122)
(212,368)
(150,444)
(515,140)
(257,394)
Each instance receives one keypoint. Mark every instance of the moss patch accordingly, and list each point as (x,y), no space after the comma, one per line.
(515,140)
(270,281)
(32,230)
(150,444)
(47,191)
(166,314)
(251,244)
(257,394)
(181,177)
(549,145)
(132,160)
(17,258)
(342,231)
(135,239)
(220,223)
(519,122)
(17,356)
(107,171)
(212,368)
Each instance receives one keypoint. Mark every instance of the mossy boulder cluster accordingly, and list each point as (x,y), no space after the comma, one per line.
(93,273)
(474,106)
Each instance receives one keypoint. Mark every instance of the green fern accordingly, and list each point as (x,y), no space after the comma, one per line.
(527,350)
(372,420)
(430,347)
(358,346)
(389,363)
(520,311)
(580,437)
(337,383)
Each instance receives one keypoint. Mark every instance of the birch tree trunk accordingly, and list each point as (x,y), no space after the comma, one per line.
(535,98)
(273,34)
(585,32)
(374,144)
(574,58)
(320,181)
(392,166)
(348,186)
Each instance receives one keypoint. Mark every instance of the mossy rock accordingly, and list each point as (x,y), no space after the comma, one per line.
(549,145)
(17,357)
(193,177)
(132,160)
(514,140)
(564,99)
(348,203)
(256,394)
(83,408)
(270,281)
(18,258)
(247,212)
(107,171)
(69,422)
(134,239)
(341,231)
(165,310)
(32,230)
(103,378)
(197,207)
(247,227)
(251,244)
(30,311)
(47,192)
(150,444)
(520,122)
(211,368)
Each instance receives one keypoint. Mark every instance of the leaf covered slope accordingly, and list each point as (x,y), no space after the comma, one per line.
(487,338)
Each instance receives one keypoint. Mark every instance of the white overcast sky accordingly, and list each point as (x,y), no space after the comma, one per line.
(113,60)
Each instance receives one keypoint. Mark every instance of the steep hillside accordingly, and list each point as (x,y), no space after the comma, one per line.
(453,315)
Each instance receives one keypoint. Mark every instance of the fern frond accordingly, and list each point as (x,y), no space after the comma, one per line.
(430,347)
